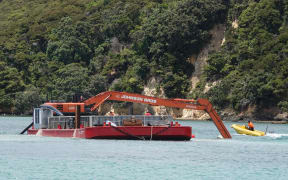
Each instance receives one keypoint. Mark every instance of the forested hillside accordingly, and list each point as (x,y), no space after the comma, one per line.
(51,49)
(251,70)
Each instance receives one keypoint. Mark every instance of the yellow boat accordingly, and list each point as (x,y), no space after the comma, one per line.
(241,129)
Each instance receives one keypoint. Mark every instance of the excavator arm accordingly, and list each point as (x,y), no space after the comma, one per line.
(200,104)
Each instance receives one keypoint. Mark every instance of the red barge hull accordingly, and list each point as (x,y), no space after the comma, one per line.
(181,133)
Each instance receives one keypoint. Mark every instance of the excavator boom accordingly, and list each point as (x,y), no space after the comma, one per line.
(200,104)
(138,98)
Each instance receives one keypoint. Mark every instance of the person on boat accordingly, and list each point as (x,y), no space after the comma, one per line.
(250,126)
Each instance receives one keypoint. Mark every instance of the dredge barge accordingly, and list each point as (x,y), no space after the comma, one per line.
(49,120)
(115,127)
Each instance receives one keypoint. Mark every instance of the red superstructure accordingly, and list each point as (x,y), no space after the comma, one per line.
(142,131)
(67,107)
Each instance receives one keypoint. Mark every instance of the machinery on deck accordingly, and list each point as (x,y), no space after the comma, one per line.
(96,101)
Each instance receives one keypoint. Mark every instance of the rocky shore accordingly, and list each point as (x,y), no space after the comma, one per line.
(278,119)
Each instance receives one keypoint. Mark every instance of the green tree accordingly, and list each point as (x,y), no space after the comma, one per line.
(10,84)
(180,28)
(97,84)
(68,80)
(66,46)
(175,85)
(27,100)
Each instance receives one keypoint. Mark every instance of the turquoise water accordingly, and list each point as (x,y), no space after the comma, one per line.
(205,157)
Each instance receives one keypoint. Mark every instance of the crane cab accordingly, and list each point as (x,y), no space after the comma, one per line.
(67,107)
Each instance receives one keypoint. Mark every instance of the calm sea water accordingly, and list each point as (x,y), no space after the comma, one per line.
(205,157)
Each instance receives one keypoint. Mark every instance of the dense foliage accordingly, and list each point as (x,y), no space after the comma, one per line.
(57,48)
(51,49)
(252,67)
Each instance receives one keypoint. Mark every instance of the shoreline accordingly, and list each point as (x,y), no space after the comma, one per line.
(189,119)
(258,121)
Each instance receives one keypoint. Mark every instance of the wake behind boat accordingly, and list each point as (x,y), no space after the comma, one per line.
(241,129)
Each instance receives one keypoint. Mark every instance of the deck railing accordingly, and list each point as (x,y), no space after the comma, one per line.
(67,122)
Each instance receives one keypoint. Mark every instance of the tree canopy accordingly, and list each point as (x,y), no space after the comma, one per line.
(58,48)
(252,66)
